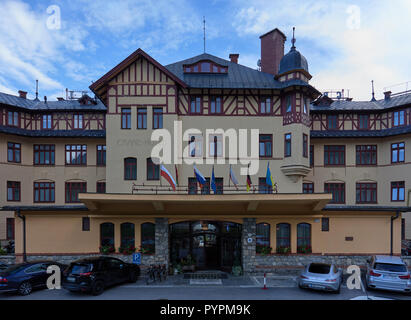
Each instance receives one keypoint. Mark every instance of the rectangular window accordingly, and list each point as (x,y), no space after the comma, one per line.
(44,154)
(219,183)
(47,121)
(76,154)
(263,187)
(157,118)
(332,122)
(288,105)
(337,190)
(216,145)
(305,145)
(398,118)
(13,119)
(130,169)
(206,187)
(101,155)
(363,121)
(78,121)
(44,192)
(195,146)
(153,170)
(397,152)
(265,105)
(311,156)
(101,187)
(192,186)
(308,187)
(13,191)
(266,145)
(73,189)
(334,155)
(13,152)
(366,192)
(216,104)
(86,224)
(125,118)
(287,145)
(10,228)
(142,118)
(325,224)
(195,105)
(366,155)
(398,191)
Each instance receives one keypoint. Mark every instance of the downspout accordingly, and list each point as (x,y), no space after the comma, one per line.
(23,218)
(397,215)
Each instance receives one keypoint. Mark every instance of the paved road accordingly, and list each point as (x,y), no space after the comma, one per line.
(205,292)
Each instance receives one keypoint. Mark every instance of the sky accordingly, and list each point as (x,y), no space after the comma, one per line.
(69,44)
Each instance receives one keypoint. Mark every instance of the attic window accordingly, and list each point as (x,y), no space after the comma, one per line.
(205,67)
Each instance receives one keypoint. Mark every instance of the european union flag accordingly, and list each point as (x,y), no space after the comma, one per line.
(213,185)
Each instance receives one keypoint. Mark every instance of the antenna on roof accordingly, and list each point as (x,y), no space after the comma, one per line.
(204,34)
(293,40)
(37,91)
(373,97)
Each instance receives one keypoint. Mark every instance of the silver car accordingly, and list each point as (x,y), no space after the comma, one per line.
(388,273)
(321,276)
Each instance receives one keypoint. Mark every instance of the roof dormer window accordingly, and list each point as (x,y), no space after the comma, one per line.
(205,66)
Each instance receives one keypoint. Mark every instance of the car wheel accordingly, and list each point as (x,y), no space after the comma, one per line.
(133,277)
(338,290)
(97,288)
(25,288)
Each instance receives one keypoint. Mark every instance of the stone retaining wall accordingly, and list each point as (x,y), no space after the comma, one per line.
(8,259)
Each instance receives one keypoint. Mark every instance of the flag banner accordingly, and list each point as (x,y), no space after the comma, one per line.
(233,177)
(213,185)
(200,178)
(176,174)
(249,183)
(268,177)
(166,175)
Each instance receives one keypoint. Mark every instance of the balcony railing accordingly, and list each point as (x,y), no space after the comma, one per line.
(185,189)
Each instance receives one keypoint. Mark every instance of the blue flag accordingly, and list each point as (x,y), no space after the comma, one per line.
(213,185)
(200,178)
(268,177)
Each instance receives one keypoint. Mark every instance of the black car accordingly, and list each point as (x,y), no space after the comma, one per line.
(24,277)
(97,273)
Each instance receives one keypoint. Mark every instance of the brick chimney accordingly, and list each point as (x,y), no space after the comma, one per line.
(234,57)
(272,50)
(22,94)
(387,95)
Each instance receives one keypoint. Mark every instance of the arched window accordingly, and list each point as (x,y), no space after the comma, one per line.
(263,238)
(107,234)
(130,169)
(127,235)
(304,238)
(148,237)
(283,238)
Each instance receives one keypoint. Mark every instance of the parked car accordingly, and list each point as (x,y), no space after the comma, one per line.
(24,277)
(406,247)
(388,273)
(97,273)
(321,276)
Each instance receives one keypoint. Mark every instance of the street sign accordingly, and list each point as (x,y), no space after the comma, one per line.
(137,258)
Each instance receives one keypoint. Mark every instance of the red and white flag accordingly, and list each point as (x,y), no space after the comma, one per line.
(164,173)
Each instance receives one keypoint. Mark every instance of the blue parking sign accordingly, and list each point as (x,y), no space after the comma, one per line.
(137,258)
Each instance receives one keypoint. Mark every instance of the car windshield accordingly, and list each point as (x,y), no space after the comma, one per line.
(80,268)
(319,268)
(390,267)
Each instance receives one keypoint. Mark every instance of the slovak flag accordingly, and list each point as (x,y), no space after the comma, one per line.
(166,175)
(200,178)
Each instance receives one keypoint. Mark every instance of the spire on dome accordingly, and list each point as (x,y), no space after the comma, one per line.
(293,40)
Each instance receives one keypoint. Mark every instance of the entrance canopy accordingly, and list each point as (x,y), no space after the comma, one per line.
(172,204)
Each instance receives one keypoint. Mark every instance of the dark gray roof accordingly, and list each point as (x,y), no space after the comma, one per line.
(343,105)
(238,76)
(28,104)
(360,133)
(293,60)
(54,133)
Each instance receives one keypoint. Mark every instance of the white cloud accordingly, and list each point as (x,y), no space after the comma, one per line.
(339,56)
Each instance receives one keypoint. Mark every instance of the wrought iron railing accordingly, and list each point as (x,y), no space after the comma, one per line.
(185,189)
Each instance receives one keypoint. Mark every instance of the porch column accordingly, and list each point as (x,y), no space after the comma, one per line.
(248,239)
(161,241)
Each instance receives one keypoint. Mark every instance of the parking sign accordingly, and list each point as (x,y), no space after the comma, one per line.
(137,258)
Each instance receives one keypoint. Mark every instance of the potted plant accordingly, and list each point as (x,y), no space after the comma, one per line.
(283,249)
(304,249)
(107,249)
(127,249)
(188,264)
(147,249)
(237,270)
(263,250)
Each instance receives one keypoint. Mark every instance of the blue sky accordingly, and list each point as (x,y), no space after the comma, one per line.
(346,43)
